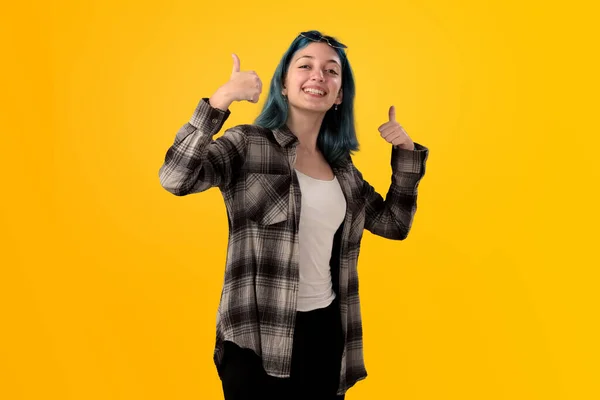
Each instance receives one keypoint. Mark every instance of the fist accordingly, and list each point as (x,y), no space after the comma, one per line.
(243,86)
(393,133)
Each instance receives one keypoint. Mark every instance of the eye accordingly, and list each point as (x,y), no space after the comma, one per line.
(302,66)
(333,71)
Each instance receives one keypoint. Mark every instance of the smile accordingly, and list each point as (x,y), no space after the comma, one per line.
(315,92)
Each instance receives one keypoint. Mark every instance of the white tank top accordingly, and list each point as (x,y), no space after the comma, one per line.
(322,213)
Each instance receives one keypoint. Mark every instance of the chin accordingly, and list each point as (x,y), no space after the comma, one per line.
(323,108)
(317,108)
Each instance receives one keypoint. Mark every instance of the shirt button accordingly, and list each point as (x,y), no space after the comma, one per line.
(214,120)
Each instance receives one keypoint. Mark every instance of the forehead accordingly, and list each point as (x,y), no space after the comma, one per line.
(318,51)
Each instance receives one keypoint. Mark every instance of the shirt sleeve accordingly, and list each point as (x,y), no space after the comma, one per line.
(195,161)
(392,217)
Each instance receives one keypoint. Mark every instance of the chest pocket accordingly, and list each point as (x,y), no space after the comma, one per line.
(267,197)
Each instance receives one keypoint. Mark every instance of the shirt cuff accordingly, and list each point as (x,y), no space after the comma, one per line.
(208,119)
(412,161)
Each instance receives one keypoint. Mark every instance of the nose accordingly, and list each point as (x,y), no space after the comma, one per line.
(317,75)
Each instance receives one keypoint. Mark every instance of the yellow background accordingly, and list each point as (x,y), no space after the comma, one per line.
(109,284)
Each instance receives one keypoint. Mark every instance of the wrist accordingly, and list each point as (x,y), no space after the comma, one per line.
(408,146)
(221,99)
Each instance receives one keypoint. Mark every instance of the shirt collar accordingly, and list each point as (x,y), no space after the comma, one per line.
(284,136)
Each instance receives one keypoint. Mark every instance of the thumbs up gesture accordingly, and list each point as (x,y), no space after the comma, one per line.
(244,85)
(393,133)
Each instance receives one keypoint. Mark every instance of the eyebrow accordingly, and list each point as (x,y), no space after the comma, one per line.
(332,60)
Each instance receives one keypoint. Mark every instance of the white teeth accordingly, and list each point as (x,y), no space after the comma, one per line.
(314,91)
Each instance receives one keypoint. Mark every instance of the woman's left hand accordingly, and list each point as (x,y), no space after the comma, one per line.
(395,134)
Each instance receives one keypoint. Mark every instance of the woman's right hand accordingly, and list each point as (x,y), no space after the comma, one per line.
(242,86)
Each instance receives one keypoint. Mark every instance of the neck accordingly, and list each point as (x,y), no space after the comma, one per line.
(306,126)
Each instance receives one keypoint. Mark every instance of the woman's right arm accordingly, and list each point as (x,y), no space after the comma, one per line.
(195,162)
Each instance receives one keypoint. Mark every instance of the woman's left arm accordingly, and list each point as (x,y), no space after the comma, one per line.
(392,218)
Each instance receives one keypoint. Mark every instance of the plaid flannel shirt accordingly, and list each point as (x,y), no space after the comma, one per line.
(254,169)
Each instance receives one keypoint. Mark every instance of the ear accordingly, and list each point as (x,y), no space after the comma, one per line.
(340,97)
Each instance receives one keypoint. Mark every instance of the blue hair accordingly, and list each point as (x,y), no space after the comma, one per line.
(337,136)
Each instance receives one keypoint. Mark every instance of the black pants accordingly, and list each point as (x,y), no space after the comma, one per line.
(316,363)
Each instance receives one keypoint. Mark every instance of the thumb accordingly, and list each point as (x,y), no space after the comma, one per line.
(392,113)
(236,63)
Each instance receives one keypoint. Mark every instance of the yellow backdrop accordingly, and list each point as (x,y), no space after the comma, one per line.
(109,284)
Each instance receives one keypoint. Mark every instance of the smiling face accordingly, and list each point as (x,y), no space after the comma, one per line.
(314,78)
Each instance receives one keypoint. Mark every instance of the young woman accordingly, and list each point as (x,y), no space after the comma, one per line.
(289,322)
